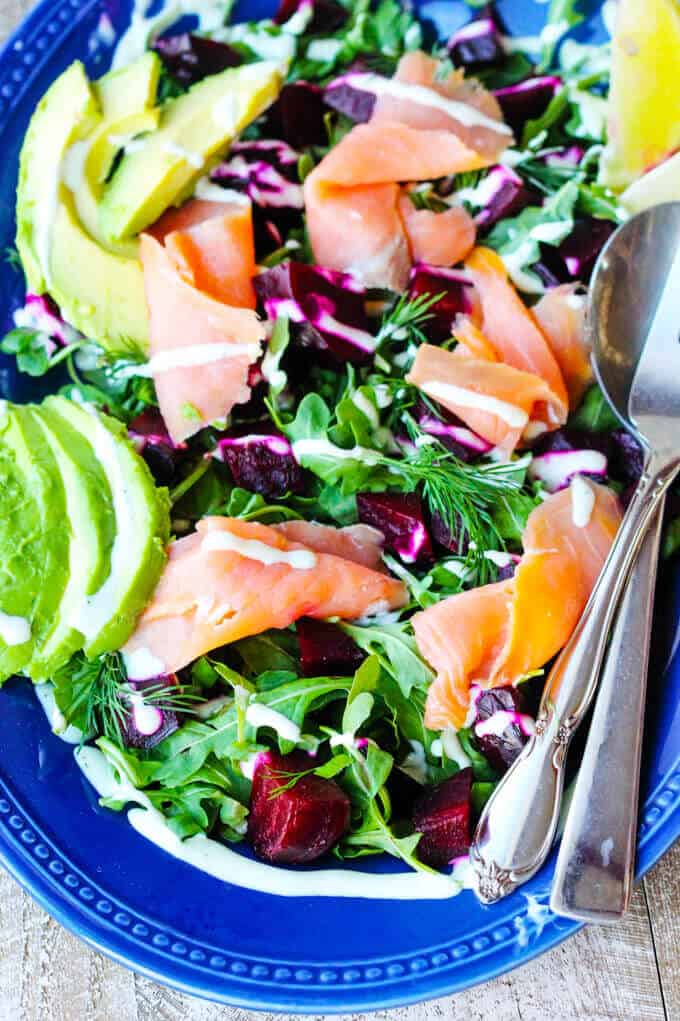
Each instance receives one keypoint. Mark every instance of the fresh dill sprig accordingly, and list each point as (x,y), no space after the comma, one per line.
(405,321)
(462,495)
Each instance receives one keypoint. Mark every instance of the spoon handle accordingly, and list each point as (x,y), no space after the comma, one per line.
(519,821)
(594,872)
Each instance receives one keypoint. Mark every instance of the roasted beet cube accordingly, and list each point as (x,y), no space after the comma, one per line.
(297,116)
(151,439)
(327,15)
(325,649)
(456,541)
(190,58)
(442,815)
(627,457)
(326,310)
(296,825)
(476,45)
(526,100)
(580,250)
(502,726)
(262,463)
(456,298)
(399,516)
(146,720)
(509,197)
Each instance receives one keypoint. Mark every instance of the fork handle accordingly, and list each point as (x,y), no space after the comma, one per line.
(518,823)
(595,866)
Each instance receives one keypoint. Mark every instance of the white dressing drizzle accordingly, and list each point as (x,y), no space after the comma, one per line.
(258,715)
(253,549)
(141,665)
(143,27)
(14,630)
(464,113)
(513,416)
(55,717)
(199,354)
(582,501)
(210,192)
(194,159)
(499,721)
(324,448)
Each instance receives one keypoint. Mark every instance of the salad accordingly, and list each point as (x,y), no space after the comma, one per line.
(323,481)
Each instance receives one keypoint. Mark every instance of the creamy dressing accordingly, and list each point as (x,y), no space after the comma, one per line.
(258,715)
(95,611)
(415,763)
(220,861)
(14,630)
(147,718)
(424,96)
(248,765)
(199,354)
(366,407)
(324,448)
(551,233)
(55,717)
(353,334)
(453,748)
(555,469)
(269,368)
(498,557)
(515,417)
(480,194)
(142,664)
(324,50)
(499,722)
(144,27)
(210,192)
(253,549)
(582,501)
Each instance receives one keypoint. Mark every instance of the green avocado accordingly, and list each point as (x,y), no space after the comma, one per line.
(90,523)
(99,292)
(194,133)
(142,523)
(34,535)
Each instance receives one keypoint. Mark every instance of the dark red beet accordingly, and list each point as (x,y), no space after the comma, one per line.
(150,436)
(501,750)
(456,298)
(476,45)
(325,649)
(511,196)
(190,58)
(262,463)
(147,728)
(442,815)
(320,303)
(526,100)
(297,115)
(573,439)
(350,100)
(399,516)
(327,16)
(297,825)
(455,542)
(627,458)
(507,571)
(580,250)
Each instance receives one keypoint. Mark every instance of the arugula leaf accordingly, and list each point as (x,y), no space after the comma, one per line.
(396,651)
(562,17)
(594,414)
(480,766)
(551,116)
(360,699)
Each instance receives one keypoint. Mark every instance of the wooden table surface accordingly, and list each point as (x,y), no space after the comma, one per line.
(627,973)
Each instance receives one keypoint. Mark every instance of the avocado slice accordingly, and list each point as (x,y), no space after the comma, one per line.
(131,89)
(90,521)
(108,616)
(64,115)
(99,292)
(34,535)
(194,133)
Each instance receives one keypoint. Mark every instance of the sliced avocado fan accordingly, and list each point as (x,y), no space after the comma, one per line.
(107,617)
(83,532)
(34,536)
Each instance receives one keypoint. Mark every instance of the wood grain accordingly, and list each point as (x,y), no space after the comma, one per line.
(627,973)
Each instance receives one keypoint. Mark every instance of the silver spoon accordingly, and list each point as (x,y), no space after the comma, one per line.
(594,873)
(518,824)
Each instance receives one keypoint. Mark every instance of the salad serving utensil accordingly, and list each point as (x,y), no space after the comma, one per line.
(593,879)
(518,824)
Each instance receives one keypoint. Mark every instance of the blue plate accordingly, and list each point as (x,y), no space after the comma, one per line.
(125,897)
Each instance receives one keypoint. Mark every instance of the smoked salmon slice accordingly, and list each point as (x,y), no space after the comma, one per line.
(485,134)
(362,544)
(440,239)
(232,579)
(189,214)
(496,401)
(495,634)
(561,316)
(514,332)
(200,348)
(354,218)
